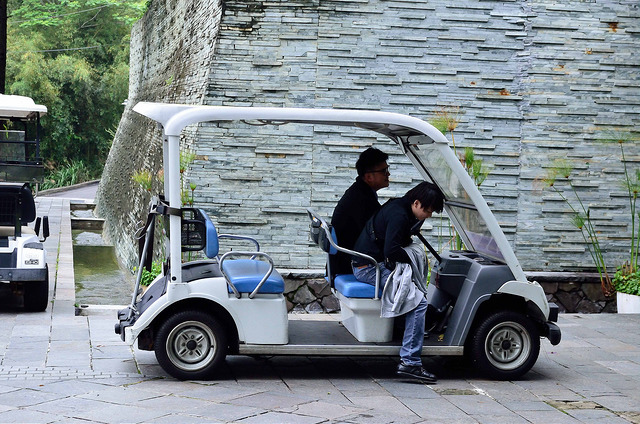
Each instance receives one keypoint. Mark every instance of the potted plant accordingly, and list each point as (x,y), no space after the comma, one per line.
(627,284)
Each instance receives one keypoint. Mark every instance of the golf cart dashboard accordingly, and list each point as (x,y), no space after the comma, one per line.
(475,256)
(457,266)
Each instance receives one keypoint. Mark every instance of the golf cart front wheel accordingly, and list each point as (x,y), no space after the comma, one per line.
(191,345)
(36,294)
(504,345)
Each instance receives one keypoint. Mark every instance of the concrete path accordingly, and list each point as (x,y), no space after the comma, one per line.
(60,368)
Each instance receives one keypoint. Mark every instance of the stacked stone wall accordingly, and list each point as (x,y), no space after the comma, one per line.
(534,81)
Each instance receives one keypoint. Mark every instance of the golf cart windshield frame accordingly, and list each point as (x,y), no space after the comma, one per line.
(425,146)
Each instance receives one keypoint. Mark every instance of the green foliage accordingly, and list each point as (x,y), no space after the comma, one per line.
(561,169)
(446,120)
(148,276)
(186,159)
(474,166)
(627,281)
(71,172)
(143,178)
(72,56)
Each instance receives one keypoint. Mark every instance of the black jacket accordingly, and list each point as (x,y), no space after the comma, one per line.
(387,232)
(353,210)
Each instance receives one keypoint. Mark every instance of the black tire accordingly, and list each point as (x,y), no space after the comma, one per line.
(36,294)
(191,345)
(504,345)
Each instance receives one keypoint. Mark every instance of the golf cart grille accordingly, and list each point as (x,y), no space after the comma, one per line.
(8,260)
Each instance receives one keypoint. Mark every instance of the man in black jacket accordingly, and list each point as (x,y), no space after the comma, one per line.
(358,204)
(383,238)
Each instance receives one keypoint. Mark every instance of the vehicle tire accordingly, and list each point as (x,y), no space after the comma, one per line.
(36,294)
(504,345)
(191,345)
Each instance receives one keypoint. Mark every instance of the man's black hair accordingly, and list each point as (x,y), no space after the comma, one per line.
(369,159)
(428,194)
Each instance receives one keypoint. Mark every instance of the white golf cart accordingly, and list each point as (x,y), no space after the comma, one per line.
(23,264)
(196,313)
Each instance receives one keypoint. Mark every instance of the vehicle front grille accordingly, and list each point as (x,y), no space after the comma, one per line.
(8,260)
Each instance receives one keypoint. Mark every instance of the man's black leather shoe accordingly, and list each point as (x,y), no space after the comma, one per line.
(416,372)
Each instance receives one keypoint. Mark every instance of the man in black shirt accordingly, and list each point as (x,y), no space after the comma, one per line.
(358,204)
(383,238)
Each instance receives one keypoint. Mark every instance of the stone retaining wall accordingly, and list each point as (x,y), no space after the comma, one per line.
(309,292)
(580,293)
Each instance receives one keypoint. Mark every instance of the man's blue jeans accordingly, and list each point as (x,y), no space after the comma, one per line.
(410,352)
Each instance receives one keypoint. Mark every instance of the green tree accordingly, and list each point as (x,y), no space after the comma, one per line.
(3,43)
(72,56)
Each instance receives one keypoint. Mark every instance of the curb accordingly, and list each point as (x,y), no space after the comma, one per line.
(66,188)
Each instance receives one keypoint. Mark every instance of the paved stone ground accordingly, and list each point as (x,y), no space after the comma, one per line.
(57,367)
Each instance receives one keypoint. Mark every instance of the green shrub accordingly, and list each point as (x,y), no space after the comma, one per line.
(627,281)
(72,172)
(149,276)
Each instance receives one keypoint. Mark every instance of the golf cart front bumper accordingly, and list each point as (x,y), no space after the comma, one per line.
(16,274)
(551,330)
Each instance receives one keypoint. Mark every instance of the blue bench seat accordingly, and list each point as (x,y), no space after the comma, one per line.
(245,274)
(350,287)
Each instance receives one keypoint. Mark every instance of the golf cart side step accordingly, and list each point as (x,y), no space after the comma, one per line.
(342,350)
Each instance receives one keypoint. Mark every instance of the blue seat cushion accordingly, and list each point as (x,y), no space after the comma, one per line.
(245,274)
(350,287)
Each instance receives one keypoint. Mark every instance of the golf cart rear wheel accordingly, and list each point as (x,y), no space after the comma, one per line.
(191,345)
(36,294)
(504,345)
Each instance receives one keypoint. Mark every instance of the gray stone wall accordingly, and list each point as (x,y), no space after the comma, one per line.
(533,81)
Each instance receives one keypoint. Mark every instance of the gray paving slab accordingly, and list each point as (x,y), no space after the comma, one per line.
(26,397)
(58,367)
(280,418)
(111,413)
(67,406)
(437,409)
(182,419)
(30,416)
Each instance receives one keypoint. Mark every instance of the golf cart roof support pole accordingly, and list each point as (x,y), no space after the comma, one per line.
(165,183)
(176,289)
(165,161)
(38,131)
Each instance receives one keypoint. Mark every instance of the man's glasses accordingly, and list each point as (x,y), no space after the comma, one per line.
(384,170)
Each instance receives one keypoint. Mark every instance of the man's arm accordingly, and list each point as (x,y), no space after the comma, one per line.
(398,232)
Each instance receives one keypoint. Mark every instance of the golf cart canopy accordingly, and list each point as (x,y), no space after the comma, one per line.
(425,146)
(20,107)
